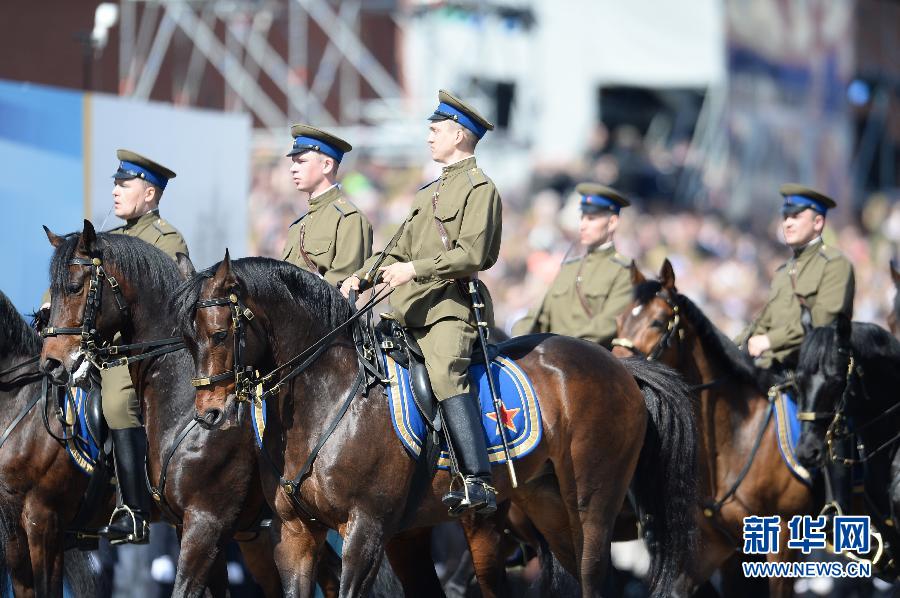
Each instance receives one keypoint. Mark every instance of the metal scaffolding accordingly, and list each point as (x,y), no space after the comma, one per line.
(232,37)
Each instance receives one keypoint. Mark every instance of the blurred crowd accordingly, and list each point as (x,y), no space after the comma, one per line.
(724,266)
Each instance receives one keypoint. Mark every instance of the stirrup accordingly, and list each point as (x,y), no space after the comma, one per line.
(133,537)
(457,504)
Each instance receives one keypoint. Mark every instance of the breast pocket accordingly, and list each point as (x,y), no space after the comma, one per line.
(317,245)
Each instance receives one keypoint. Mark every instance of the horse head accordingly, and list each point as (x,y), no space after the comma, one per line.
(823,371)
(221,336)
(651,326)
(87,305)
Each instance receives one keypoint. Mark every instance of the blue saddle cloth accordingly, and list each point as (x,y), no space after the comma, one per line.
(787,427)
(81,446)
(520,412)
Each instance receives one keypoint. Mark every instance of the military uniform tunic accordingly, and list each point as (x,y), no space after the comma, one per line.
(433,306)
(823,277)
(585,298)
(336,237)
(121,407)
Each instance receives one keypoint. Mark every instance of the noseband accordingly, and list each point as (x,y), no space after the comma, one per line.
(665,341)
(243,374)
(88,329)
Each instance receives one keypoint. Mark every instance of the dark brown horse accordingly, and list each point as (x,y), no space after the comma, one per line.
(211,486)
(596,436)
(741,472)
(848,374)
(40,486)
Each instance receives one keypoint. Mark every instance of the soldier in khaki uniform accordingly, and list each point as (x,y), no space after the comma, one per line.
(592,290)
(333,238)
(452,233)
(817,275)
(138,186)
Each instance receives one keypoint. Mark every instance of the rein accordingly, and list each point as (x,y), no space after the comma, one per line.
(92,346)
(245,380)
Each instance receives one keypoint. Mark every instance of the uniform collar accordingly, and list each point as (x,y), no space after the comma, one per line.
(603,249)
(458,166)
(325,197)
(809,249)
(143,218)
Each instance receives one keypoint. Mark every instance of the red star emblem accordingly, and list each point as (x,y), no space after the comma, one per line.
(507,415)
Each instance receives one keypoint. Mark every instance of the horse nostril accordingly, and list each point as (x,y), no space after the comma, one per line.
(54,368)
(213,417)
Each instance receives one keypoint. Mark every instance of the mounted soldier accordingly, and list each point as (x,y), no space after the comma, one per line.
(452,233)
(138,186)
(809,290)
(590,290)
(817,277)
(333,238)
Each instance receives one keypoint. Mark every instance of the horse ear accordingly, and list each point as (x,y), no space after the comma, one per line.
(185,265)
(667,275)
(895,276)
(636,276)
(54,239)
(88,237)
(224,276)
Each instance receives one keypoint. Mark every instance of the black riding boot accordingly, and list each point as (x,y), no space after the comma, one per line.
(462,420)
(129,522)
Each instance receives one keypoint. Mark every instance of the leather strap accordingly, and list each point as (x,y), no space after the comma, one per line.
(310,265)
(578,290)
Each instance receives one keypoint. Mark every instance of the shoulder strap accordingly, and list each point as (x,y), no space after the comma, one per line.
(310,265)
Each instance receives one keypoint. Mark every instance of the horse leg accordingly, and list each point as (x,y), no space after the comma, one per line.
(713,551)
(485,537)
(543,505)
(297,546)
(217,582)
(363,551)
(410,556)
(202,547)
(259,557)
(782,587)
(18,563)
(44,548)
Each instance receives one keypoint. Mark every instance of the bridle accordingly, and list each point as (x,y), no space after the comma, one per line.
(90,342)
(839,426)
(665,341)
(243,374)
(95,350)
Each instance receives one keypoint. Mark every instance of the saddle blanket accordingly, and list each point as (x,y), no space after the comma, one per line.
(80,444)
(519,411)
(787,427)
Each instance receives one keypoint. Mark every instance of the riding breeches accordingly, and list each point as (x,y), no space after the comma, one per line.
(447,347)
(120,403)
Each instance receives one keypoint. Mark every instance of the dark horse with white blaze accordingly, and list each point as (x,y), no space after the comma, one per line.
(40,485)
(210,487)
(596,435)
(741,472)
(848,375)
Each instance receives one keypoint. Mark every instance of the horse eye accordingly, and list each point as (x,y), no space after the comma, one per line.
(219,337)
(658,324)
(73,288)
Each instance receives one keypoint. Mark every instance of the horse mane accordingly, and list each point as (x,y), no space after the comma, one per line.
(872,345)
(720,348)
(274,279)
(137,260)
(16,336)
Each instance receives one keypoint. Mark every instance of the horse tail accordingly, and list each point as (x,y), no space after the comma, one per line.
(554,580)
(665,482)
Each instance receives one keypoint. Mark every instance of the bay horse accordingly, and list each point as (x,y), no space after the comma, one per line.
(596,435)
(39,484)
(741,472)
(207,480)
(848,375)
